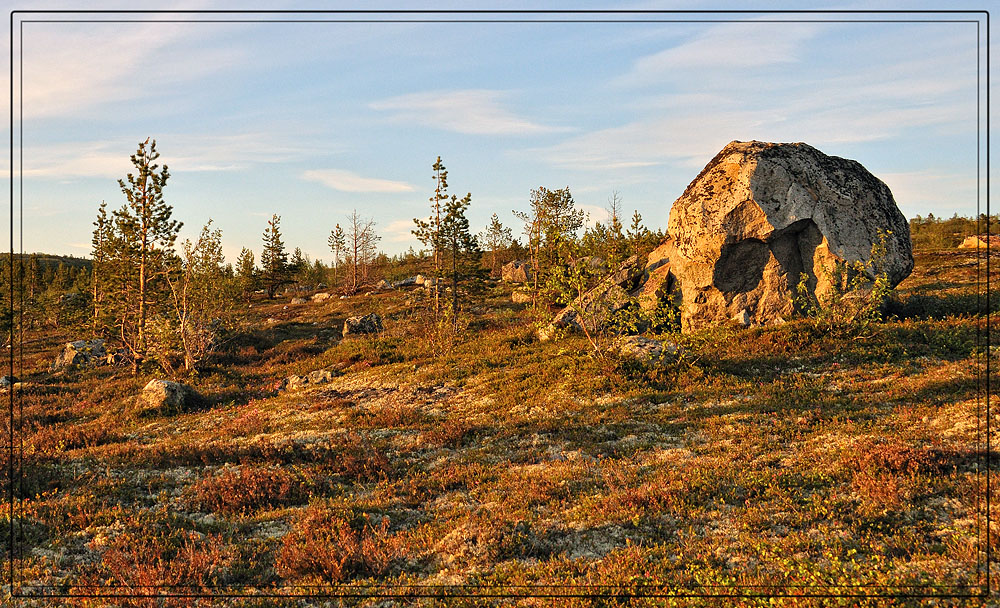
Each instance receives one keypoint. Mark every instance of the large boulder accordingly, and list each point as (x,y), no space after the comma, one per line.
(516,271)
(166,396)
(760,215)
(80,353)
(368,324)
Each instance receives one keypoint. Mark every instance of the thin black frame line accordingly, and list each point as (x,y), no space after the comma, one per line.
(979,258)
(497,21)
(988,455)
(506,11)
(19,395)
(10,430)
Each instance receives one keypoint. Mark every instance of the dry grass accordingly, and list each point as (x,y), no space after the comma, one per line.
(779,457)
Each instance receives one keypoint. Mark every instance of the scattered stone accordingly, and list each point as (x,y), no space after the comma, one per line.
(383,285)
(419,279)
(407,282)
(516,271)
(7,381)
(742,318)
(319,297)
(320,376)
(80,353)
(430,281)
(368,324)
(167,396)
(297,301)
(521,296)
(646,350)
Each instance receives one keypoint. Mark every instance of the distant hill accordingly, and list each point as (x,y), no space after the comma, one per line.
(49,259)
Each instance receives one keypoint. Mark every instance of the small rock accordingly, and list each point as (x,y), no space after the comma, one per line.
(319,297)
(296,301)
(7,381)
(383,285)
(520,296)
(516,271)
(645,350)
(168,396)
(80,353)
(368,324)
(742,318)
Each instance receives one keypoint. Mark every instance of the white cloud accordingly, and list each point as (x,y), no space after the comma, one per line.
(730,45)
(181,153)
(345,181)
(71,67)
(399,231)
(471,111)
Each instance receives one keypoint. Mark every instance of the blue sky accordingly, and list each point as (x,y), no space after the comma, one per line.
(312,120)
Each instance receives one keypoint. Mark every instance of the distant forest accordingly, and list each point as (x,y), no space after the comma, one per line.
(55,288)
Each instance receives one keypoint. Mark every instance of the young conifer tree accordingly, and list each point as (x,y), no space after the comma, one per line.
(338,244)
(100,256)
(274,270)
(459,245)
(429,232)
(143,244)
(246,272)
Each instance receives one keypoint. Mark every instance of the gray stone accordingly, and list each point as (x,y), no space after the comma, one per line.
(646,350)
(407,282)
(321,296)
(80,353)
(742,318)
(383,285)
(762,214)
(368,324)
(168,396)
(521,296)
(516,271)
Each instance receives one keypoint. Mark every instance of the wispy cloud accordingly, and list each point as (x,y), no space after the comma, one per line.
(346,181)
(729,45)
(399,231)
(181,152)
(70,68)
(470,111)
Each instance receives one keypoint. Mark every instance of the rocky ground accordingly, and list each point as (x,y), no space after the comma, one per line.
(788,461)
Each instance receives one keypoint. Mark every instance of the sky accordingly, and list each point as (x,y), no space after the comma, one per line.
(312,120)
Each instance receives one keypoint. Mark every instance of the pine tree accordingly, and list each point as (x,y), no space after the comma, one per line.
(615,236)
(338,245)
(246,272)
(458,245)
(274,270)
(637,233)
(429,232)
(145,239)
